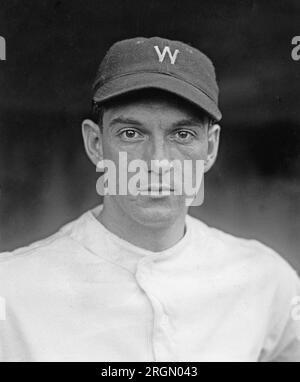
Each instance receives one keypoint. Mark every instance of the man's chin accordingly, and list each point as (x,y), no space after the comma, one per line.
(156,211)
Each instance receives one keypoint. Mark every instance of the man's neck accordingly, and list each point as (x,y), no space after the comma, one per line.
(154,239)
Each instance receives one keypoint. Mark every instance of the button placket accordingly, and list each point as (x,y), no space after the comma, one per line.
(161,335)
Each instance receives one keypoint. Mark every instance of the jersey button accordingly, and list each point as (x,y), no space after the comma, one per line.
(165,320)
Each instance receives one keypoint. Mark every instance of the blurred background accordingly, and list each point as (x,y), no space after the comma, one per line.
(53,50)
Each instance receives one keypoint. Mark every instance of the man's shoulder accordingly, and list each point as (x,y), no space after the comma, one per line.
(43,265)
(51,249)
(250,254)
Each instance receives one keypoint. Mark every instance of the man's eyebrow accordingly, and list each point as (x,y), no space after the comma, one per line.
(123,120)
(188,122)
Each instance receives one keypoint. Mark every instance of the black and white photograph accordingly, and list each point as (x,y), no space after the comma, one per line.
(149,183)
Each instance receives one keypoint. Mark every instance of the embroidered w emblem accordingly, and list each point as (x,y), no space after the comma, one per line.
(162,55)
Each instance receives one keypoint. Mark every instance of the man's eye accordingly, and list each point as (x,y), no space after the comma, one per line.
(129,134)
(184,135)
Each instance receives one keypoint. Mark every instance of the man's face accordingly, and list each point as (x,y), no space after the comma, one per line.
(147,129)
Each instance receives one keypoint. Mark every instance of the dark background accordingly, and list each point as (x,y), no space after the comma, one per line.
(53,50)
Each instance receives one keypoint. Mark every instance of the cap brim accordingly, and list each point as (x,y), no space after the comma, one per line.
(131,82)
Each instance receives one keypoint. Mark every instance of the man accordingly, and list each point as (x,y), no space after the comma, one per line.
(137,278)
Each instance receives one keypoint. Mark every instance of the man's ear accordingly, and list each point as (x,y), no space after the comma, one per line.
(92,138)
(213,136)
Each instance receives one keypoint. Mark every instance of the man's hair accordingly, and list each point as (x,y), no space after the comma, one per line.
(97,114)
(98,109)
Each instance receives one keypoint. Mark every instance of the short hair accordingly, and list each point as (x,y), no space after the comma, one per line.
(98,108)
(97,113)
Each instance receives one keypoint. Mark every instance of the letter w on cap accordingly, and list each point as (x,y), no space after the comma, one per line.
(162,55)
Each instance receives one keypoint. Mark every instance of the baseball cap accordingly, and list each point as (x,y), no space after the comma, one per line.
(172,66)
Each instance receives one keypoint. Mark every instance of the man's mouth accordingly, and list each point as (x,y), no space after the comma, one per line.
(156,187)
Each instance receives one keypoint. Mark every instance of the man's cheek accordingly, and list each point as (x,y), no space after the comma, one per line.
(194,152)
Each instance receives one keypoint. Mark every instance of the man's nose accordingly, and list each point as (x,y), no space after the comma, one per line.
(158,157)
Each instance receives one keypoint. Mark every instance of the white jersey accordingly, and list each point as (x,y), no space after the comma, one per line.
(84,294)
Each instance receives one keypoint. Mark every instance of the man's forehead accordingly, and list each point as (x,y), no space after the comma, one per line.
(145,114)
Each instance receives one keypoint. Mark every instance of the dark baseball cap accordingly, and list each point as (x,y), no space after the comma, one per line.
(172,66)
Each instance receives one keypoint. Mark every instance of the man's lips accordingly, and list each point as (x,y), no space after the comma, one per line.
(156,188)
